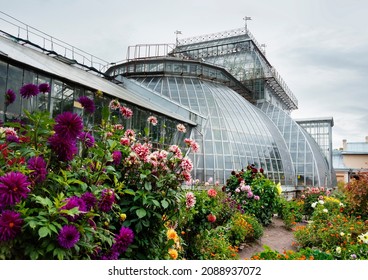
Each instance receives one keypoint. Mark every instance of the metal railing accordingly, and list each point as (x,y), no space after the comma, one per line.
(29,35)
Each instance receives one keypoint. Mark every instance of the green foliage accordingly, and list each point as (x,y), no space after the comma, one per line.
(304,254)
(243,227)
(146,192)
(214,245)
(291,211)
(256,194)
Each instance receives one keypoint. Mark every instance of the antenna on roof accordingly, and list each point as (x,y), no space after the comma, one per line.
(245,20)
(177,32)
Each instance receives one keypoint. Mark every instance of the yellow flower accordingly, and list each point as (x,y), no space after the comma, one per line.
(279,189)
(173,254)
(123,217)
(99,93)
(171,234)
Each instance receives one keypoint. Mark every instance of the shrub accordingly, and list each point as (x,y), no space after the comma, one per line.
(333,233)
(201,211)
(214,245)
(68,191)
(256,194)
(303,254)
(243,227)
(291,212)
(356,192)
(311,195)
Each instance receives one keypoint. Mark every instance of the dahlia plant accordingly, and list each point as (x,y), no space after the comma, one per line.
(70,191)
(256,194)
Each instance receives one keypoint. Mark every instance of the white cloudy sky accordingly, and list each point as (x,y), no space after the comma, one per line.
(320,47)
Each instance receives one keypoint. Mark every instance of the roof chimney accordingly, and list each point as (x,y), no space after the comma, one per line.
(344,145)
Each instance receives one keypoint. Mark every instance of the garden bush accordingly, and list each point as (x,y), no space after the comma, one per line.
(202,211)
(72,191)
(243,227)
(356,193)
(256,194)
(290,211)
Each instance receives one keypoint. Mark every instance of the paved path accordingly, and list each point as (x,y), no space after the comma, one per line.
(275,236)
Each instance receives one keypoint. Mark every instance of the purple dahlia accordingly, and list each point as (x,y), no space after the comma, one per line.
(44,88)
(68,125)
(87,139)
(9,97)
(87,103)
(123,240)
(107,200)
(10,225)
(68,236)
(13,188)
(38,167)
(64,148)
(29,90)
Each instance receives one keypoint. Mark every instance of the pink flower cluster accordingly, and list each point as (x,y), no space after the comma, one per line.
(192,144)
(181,128)
(152,120)
(247,190)
(190,199)
(212,193)
(176,151)
(125,111)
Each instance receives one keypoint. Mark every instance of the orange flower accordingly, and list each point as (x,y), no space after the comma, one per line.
(173,254)
(171,234)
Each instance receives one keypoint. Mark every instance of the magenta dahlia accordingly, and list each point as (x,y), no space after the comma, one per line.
(64,148)
(38,167)
(123,240)
(10,225)
(87,103)
(29,90)
(13,188)
(9,97)
(44,88)
(68,125)
(68,236)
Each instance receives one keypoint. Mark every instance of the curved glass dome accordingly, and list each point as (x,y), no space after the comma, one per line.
(310,164)
(234,133)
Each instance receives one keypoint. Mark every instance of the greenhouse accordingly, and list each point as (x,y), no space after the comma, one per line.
(221,86)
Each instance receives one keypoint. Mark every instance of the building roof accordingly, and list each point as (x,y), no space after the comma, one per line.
(39,60)
(338,160)
(356,148)
(316,119)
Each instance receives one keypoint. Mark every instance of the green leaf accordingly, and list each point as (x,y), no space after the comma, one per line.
(148,186)
(53,228)
(164,203)
(43,232)
(129,191)
(34,255)
(156,203)
(141,213)
(32,224)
